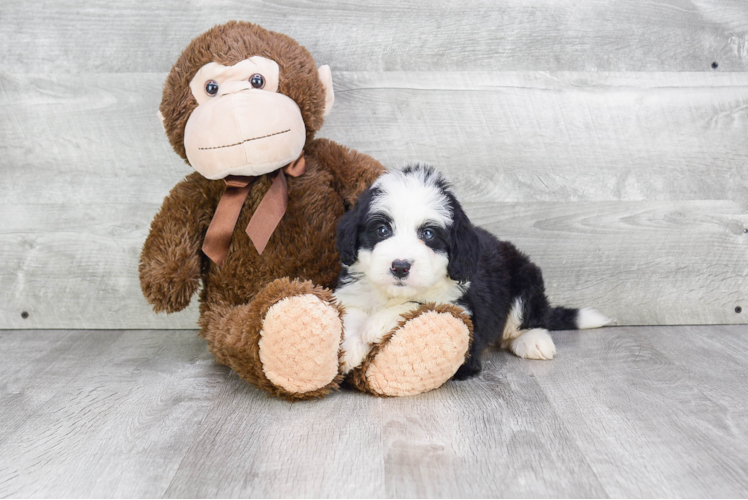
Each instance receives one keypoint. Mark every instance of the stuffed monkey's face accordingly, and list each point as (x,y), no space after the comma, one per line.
(242,124)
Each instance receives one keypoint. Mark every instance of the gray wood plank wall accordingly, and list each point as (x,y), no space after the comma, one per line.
(596,135)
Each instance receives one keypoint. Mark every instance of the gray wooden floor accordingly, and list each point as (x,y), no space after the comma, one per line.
(630,411)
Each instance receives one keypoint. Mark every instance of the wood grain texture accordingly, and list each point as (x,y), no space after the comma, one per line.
(118,422)
(652,409)
(492,437)
(628,189)
(558,136)
(252,445)
(601,35)
(33,370)
(85,167)
(620,412)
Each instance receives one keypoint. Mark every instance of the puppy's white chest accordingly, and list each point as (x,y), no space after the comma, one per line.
(366,298)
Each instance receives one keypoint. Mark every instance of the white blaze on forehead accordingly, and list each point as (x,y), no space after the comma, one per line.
(411,199)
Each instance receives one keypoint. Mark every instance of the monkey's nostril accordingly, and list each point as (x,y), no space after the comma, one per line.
(400,268)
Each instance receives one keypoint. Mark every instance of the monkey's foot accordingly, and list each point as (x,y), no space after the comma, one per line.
(299,345)
(419,355)
(286,341)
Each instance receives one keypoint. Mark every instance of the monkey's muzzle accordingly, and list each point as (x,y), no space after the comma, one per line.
(249,132)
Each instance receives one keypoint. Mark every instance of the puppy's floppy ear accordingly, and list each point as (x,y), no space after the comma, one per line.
(349,224)
(347,242)
(464,246)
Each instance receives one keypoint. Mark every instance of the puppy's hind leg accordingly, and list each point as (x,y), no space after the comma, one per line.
(534,344)
(537,312)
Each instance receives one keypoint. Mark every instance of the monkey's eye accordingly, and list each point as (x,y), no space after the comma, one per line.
(211,87)
(427,234)
(257,81)
(383,231)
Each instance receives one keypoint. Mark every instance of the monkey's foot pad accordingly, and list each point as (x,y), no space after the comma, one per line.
(300,344)
(418,356)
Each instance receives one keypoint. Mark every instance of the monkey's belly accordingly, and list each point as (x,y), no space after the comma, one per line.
(302,246)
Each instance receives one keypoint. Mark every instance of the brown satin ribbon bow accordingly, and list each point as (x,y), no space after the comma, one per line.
(263,222)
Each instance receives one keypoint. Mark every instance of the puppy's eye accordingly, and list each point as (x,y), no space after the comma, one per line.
(383,231)
(257,81)
(427,234)
(211,87)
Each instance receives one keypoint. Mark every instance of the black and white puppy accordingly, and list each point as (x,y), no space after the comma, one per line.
(408,242)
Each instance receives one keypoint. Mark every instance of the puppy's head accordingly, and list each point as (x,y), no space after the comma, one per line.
(408,234)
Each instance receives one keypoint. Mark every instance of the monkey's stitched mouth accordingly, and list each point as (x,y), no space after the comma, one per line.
(246,140)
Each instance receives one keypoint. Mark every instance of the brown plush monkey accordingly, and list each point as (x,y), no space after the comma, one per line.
(256,223)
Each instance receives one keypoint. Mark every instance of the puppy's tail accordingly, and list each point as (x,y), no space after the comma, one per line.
(564,318)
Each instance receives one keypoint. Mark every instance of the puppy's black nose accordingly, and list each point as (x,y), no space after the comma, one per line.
(400,268)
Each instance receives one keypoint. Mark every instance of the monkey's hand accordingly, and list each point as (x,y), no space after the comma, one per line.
(170,260)
(169,277)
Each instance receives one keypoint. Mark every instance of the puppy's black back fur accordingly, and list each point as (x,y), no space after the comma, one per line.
(505,274)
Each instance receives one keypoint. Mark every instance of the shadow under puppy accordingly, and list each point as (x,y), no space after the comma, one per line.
(408,242)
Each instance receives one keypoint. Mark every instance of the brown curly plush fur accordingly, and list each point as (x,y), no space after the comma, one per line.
(234,298)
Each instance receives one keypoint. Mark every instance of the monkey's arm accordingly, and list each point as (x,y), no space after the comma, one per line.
(353,171)
(171,258)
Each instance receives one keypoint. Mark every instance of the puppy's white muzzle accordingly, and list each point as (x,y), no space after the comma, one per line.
(383,266)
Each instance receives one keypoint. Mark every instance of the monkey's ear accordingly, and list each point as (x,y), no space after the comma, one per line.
(161,118)
(325,76)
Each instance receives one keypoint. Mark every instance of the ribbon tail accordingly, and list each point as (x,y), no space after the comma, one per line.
(269,213)
(221,228)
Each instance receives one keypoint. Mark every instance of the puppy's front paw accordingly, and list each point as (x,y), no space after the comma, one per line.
(354,351)
(534,344)
(379,325)
(468,370)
